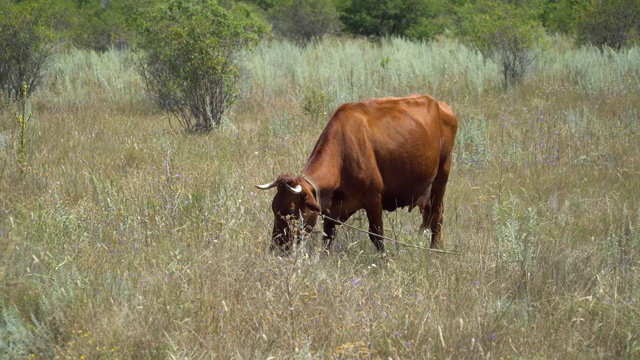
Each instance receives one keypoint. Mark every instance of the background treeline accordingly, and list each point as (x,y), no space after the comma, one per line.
(99,24)
(187,51)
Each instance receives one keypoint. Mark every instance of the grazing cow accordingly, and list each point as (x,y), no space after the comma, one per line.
(375,155)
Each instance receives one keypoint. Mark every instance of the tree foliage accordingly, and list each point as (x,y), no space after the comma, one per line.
(416,19)
(304,20)
(87,24)
(98,24)
(26,47)
(504,31)
(188,57)
(612,23)
(563,16)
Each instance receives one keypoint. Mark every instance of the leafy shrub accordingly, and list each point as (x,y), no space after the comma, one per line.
(415,19)
(613,23)
(505,32)
(188,57)
(304,21)
(316,103)
(562,16)
(25,44)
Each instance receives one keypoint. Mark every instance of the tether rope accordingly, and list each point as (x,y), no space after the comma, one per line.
(387,238)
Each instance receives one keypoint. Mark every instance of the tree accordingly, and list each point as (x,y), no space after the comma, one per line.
(25,47)
(613,23)
(304,20)
(562,16)
(505,31)
(415,19)
(265,5)
(188,57)
(100,24)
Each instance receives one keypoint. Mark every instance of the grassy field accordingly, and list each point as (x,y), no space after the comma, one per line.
(123,239)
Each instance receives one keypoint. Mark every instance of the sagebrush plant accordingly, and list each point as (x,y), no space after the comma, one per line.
(124,239)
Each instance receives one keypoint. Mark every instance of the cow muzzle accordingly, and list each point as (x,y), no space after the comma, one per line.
(289,231)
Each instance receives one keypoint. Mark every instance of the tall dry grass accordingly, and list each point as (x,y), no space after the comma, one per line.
(123,239)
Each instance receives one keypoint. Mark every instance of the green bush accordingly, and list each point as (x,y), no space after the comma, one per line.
(613,23)
(188,57)
(316,103)
(414,19)
(503,31)
(304,21)
(562,16)
(25,47)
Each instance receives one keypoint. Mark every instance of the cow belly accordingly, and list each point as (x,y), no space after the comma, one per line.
(421,200)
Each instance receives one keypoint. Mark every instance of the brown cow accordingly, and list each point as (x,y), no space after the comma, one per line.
(375,155)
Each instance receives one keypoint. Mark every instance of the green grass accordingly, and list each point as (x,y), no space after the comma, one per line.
(124,239)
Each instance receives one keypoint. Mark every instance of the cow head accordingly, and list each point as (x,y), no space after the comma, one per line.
(294,208)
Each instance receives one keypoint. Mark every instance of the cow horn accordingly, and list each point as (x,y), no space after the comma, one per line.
(267,186)
(295,190)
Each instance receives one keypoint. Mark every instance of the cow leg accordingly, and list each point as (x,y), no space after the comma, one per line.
(434,221)
(329,229)
(374,215)
(433,215)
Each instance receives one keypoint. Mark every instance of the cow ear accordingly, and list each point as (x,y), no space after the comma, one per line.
(312,205)
(310,201)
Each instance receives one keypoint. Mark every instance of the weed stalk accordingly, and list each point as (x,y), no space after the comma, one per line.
(23,116)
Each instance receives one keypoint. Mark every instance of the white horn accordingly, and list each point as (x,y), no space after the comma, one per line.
(267,186)
(296,190)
